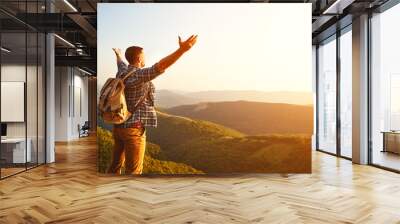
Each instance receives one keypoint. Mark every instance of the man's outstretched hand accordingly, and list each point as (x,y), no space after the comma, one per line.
(172,58)
(187,44)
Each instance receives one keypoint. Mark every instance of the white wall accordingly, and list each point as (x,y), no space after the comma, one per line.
(61,103)
(80,105)
(71,94)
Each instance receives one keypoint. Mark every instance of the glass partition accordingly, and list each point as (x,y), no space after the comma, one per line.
(41,96)
(22,92)
(346,93)
(13,85)
(327,96)
(385,89)
(31,97)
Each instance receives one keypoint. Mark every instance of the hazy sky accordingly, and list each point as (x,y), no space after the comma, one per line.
(257,46)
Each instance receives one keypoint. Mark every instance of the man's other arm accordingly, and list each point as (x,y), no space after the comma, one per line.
(122,66)
(118,55)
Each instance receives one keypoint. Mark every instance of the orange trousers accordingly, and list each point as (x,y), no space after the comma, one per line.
(129,149)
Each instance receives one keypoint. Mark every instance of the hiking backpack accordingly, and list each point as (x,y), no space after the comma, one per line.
(112,102)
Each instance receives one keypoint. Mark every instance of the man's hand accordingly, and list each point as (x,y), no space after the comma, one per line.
(172,58)
(187,44)
(117,51)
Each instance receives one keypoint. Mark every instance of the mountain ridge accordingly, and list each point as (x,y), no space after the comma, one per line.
(252,118)
(170,98)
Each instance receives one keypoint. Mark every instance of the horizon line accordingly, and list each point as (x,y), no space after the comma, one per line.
(237,90)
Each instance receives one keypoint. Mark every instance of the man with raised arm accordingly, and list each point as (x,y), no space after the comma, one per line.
(130,137)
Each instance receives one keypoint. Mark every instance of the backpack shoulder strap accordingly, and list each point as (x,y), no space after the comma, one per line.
(141,100)
(128,75)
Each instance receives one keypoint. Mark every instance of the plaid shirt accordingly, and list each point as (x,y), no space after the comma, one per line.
(137,86)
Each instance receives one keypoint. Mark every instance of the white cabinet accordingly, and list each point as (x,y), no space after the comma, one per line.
(15,150)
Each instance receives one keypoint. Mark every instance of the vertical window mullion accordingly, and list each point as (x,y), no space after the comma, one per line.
(317,96)
(0,95)
(338,80)
(37,90)
(369,90)
(26,87)
(46,3)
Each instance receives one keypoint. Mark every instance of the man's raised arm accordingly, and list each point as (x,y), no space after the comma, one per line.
(122,66)
(118,54)
(172,58)
(150,73)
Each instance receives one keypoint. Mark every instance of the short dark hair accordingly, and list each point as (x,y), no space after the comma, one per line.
(132,53)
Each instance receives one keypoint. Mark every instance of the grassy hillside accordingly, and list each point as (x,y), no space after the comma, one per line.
(263,154)
(190,146)
(173,130)
(213,148)
(252,118)
(153,163)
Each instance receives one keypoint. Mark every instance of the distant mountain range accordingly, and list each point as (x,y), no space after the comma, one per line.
(252,118)
(171,98)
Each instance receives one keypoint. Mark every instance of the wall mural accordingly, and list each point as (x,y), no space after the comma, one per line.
(208,88)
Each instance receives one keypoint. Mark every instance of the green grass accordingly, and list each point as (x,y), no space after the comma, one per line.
(152,161)
(174,130)
(247,154)
(187,146)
